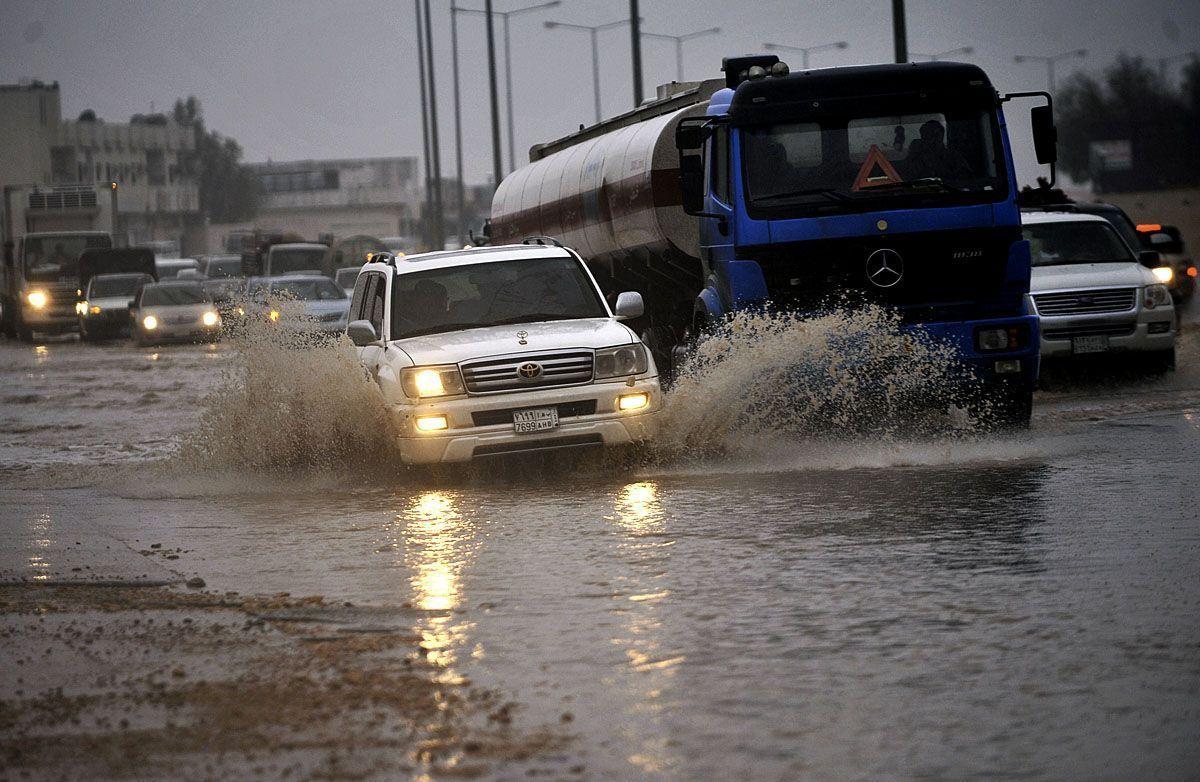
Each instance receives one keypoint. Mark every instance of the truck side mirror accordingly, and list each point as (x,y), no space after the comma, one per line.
(1045,135)
(1151,259)
(691,183)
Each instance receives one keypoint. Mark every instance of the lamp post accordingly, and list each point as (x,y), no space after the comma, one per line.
(804,50)
(439,231)
(460,224)
(1049,61)
(679,39)
(635,50)
(592,30)
(504,16)
(427,207)
(942,55)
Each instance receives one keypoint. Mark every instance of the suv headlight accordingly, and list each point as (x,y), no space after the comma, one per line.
(1156,296)
(426,382)
(621,361)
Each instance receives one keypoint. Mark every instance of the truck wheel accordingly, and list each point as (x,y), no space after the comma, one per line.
(23,332)
(1010,406)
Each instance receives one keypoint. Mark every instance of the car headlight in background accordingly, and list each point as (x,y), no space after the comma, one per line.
(149,323)
(274,316)
(426,382)
(81,307)
(1156,296)
(37,299)
(94,310)
(209,318)
(1163,274)
(620,361)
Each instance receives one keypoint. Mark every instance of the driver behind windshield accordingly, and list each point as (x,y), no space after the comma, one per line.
(929,157)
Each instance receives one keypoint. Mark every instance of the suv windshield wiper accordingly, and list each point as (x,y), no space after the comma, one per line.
(915,184)
(828,192)
(534,317)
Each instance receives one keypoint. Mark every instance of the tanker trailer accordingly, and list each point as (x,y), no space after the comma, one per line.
(611,192)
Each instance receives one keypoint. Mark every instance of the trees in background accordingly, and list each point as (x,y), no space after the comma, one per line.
(1130,130)
(228,189)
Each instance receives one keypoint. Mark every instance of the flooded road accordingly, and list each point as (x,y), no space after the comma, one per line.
(1018,607)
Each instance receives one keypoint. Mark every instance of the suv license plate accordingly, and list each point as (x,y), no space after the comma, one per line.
(1096,344)
(538,419)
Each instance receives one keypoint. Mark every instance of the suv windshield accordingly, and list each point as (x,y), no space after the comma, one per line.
(309,290)
(166,295)
(839,161)
(57,257)
(1059,244)
(107,285)
(492,294)
(224,267)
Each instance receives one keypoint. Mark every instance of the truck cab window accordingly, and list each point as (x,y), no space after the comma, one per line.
(718,171)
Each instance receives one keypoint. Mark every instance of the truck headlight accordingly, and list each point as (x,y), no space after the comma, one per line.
(1163,274)
(81,307)
(1008,338)
(1156,296)
(37,299)
(149,323)
(209,319)
(622,360)
(426,382)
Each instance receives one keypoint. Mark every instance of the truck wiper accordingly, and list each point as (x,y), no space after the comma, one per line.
(534,317)
(916,184)
(828,192)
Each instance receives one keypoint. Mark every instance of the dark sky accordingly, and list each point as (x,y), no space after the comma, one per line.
(316,78)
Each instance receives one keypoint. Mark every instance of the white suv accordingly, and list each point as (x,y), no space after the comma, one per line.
(1093,294)
(500,350)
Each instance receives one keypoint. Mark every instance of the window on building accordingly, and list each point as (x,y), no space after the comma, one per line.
(63,166)
(156,167)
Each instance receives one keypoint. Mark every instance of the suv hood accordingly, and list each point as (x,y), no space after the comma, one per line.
(1089,275)
(453,347)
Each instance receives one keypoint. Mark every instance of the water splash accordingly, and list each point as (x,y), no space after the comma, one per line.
(290,400)
(841,374)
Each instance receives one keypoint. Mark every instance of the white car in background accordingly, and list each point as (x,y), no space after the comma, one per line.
(1093,293)
(304,303)
(173,311)
(502,350)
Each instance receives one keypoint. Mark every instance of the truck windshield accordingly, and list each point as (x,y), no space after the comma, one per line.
(1060,244)
(309,290)
(57,257)
(166,295)
(492,294)
(284,261)
(107,285)
(853,163)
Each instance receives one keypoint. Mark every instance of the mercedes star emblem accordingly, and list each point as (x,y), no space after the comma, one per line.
(885,268)
(529,370)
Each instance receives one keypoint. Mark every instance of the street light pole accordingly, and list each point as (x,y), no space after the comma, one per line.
(497,166)
(805,50)
(508,61)
(1050,61)
(679,39)
(593,32)
(459,188)
(427,208)
(635,32)
(949,52)
(899,31)
(439,231)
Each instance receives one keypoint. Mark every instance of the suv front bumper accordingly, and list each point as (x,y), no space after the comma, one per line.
(463,440)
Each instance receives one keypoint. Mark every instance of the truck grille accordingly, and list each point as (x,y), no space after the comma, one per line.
(501,374)
(1103,329)
(1087,302)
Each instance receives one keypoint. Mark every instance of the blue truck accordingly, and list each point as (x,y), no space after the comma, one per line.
(883,184)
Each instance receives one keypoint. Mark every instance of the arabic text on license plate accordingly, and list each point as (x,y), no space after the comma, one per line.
(1096,344)
(536,420)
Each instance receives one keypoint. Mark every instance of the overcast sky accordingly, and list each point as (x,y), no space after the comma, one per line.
(292,79)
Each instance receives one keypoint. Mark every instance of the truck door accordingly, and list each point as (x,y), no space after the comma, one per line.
(716,238)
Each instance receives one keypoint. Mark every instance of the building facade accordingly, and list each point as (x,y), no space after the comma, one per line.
(155,199)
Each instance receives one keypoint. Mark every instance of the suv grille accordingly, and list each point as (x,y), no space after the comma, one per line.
(1086,302)
(500,374)
(1105,329)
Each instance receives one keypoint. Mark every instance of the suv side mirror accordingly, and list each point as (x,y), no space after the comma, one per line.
(691,183)
(362,333)
(1045,134)
(1150,259)
(629,306)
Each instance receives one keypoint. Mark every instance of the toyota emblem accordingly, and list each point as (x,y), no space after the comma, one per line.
(885,268)
(529,371)
(522,337)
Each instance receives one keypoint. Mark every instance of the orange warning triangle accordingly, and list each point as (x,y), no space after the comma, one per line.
(876,170)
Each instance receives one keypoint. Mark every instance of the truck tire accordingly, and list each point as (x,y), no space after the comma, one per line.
(23,332)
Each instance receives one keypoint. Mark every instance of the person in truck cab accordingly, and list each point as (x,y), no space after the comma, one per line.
(928,156)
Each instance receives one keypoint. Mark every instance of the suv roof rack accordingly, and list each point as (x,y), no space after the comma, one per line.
(543,241)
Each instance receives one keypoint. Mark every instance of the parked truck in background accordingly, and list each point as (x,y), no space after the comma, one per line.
(890,184)
(43,232)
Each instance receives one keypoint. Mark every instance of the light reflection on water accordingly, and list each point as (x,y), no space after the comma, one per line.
(438,544)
